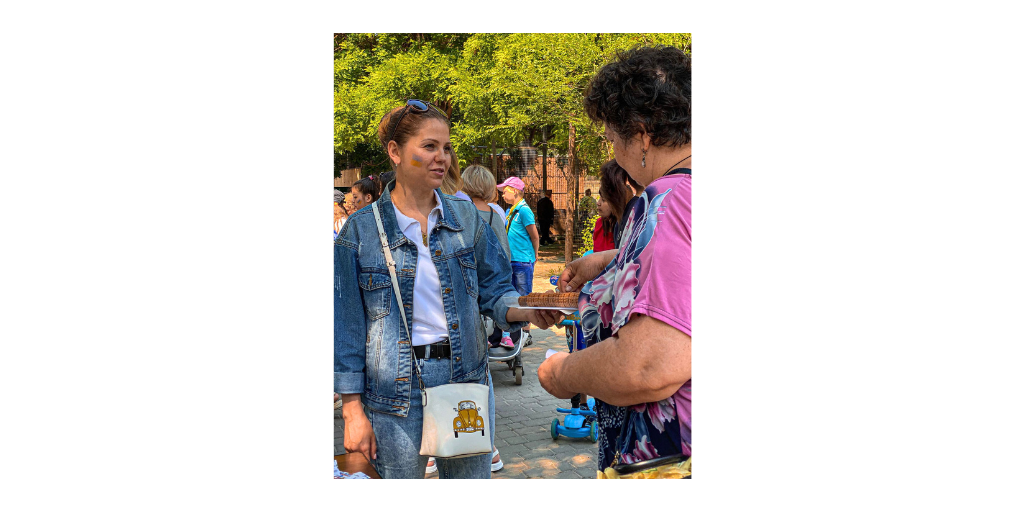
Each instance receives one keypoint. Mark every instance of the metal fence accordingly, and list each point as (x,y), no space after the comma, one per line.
(553,175)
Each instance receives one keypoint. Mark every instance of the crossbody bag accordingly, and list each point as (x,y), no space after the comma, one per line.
(450,409)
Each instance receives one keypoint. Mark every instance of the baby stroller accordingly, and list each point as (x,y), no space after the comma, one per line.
(504,355)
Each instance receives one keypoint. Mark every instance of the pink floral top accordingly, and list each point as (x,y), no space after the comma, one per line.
(650,276)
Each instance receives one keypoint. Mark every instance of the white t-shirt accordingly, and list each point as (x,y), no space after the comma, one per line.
(428,321)
(338,224)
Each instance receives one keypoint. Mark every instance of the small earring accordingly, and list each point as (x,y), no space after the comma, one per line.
(643,161)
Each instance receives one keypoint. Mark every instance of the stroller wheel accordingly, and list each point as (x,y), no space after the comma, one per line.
(518,372)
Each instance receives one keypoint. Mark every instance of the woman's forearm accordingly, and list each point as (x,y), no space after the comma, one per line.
(351,405)
(644,363)
(608,256)
(603,371)
(516,315)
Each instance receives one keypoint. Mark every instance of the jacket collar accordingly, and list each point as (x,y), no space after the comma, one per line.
(447,219)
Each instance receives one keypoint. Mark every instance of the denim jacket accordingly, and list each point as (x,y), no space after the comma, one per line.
(372,350)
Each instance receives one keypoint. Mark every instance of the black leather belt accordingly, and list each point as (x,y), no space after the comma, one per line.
(439,350)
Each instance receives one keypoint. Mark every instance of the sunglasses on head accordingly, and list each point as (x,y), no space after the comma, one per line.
(419,106)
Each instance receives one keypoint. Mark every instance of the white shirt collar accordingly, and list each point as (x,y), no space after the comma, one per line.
(404,221)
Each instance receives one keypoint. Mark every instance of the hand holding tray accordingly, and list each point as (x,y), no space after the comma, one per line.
(565,302)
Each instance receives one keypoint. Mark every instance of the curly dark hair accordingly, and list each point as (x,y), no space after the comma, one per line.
(645,90)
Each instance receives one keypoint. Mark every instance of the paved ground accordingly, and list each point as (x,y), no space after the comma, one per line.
(523,413)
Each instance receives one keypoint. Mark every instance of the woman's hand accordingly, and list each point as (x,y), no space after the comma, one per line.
(358,431)
(547,375)
(543,318)
(584,269)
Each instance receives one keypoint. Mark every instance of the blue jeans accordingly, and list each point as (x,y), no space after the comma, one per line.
(522,277)
(398,438)
(522,281)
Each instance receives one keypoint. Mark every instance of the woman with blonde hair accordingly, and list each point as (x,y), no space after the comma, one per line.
(480,186)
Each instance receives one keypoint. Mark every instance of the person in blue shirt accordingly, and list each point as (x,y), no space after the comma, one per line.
(523,238)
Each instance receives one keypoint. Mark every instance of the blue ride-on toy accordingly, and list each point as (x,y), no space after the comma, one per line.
(578,423)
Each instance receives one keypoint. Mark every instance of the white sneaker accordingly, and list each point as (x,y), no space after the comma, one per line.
(432,465)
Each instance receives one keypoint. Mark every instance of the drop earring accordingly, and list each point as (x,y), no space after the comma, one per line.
(643,161)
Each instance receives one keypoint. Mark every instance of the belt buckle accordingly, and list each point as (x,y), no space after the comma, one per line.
(426,351)
(439,344)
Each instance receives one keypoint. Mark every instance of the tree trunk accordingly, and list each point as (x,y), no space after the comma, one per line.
(573,198)
(544,162)
(494,157)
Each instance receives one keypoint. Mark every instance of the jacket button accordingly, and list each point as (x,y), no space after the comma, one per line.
(447,290)
(457,359)
(455,326)
(437,253)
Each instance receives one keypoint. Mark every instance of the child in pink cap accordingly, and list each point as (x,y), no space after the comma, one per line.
(523,240)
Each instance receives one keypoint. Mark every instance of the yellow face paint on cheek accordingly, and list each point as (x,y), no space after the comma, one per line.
(416,161)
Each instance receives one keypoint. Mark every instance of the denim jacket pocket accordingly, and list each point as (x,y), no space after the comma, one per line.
(467,261)
(377,292)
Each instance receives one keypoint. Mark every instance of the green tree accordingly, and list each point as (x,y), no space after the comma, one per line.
(498,89)
(375,72)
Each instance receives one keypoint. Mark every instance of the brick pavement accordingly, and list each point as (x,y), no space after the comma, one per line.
(523,416)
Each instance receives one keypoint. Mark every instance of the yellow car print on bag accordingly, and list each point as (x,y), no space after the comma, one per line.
(469,419)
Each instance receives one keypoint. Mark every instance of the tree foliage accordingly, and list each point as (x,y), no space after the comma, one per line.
(497,89)
(587,236)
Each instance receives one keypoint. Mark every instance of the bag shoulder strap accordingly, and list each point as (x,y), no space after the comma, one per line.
(391,265)
(394,283)
(511,217)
